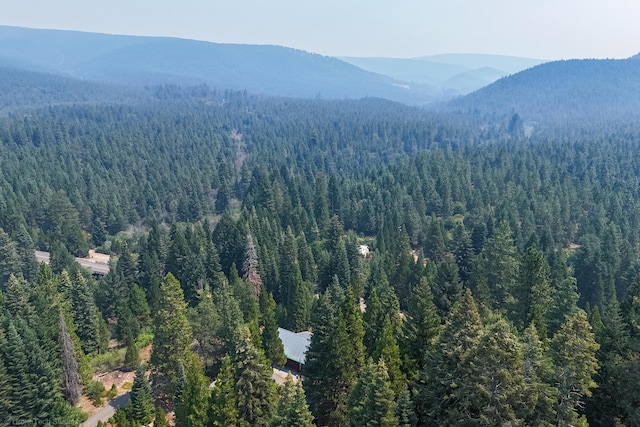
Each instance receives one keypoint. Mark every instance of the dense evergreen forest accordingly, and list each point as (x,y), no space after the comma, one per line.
(502,287)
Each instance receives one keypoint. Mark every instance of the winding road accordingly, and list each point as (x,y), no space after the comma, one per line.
(96,267)
(107,411)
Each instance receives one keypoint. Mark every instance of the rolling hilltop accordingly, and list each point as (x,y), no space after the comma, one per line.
(585,91)
(22,88)
(449,74)
(143,61)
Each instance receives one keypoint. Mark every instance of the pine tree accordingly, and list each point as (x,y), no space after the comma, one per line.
(306,260)
(606,403)
(404,268)
(160,418)
(340,264)
(139,306)
(120,419)
(447,286)
(372,318)
(128,327)
(387,350)
(532,292)
(436,247)
(421,328)
(45,375)
(479,282)
(230,314)
(539,396)
(245,295)
(405,411)
(181,382)
(34,373)
(142,408)
(502,265)
(132,355)
(191,406)
(446,369)
(60,259)
(574,356)
(564,292)
(294,293)
(112,292)
(354,354)
(299,303)
(127,267)
(292,410)
(6,402)
(9,260)
(21,391)
(333,373)
(206,324)
(86,316)
(372,401)
(178,252)
(389,302)
(254,388)
(271,343)
(194,275)
(492,392)
(222,410)
(321,376)
(212,262)
(26,252)
(152,254)
(172,336)
(463,252)
(17,298)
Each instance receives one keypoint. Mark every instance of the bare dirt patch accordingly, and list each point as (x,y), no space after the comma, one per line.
(117,377)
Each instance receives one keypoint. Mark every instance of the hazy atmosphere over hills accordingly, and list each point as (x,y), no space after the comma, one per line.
(277,214)
(271,70)
(598,89)
(139,61)
(447,75)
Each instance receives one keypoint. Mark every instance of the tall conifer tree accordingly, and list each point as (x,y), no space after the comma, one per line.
(222,410)
(574,356)
(438,397)
(372,400)
(254,388)
(142,408)
(86,316)
(192,403)
(421,328)
(271,343)
(172,336)
(292,410)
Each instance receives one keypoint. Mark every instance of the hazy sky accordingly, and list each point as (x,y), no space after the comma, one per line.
(545,29)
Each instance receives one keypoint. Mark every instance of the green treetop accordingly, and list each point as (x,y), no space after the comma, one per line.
(172,336)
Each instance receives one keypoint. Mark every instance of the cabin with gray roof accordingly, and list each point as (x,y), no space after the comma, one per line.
(295,347)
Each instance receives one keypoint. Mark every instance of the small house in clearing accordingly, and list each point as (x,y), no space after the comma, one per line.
(295,347)
(364,250)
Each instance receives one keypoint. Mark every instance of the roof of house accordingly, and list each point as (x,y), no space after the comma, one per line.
(295,344)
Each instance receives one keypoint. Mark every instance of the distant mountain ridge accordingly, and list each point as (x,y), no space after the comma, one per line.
(588,90)
(447,75)
(140,61)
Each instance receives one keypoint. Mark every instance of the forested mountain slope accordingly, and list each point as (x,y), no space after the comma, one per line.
(502,287)
(20,88)
(570,94)
(141,61)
